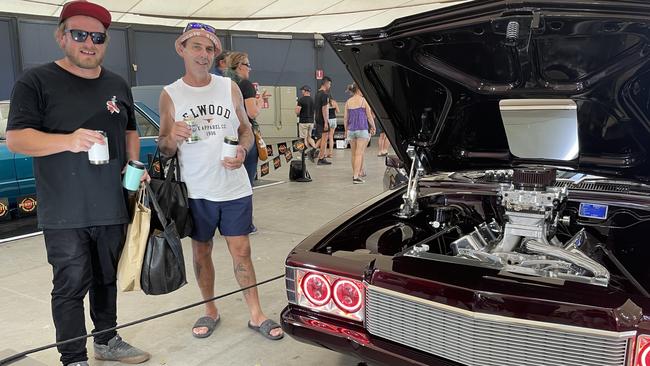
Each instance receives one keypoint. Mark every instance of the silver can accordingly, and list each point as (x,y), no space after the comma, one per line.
(194,137)
(98,153)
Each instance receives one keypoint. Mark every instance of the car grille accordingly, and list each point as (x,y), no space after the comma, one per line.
(477,339)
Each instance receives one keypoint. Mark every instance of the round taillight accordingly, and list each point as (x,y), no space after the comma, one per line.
(644,355)
(317,289)
(347,296)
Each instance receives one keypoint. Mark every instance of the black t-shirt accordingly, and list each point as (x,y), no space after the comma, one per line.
(321,100)
(248,91)
(306,105)
(72,193)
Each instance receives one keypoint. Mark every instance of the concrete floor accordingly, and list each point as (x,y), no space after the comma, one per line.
(284,214)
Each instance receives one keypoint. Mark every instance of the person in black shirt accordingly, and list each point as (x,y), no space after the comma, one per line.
(305,113)
(55,112)
(333,110)
(321,117)
(239,68)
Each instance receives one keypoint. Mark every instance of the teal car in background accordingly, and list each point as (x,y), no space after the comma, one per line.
(17,186)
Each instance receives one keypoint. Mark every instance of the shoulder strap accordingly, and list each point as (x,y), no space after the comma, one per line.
(154,201)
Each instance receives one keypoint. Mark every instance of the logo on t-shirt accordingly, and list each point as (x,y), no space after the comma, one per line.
(111,105)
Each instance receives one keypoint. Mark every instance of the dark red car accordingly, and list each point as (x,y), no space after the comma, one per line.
(523,235)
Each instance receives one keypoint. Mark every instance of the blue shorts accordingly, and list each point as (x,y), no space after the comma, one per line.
(233,218)
(358,134)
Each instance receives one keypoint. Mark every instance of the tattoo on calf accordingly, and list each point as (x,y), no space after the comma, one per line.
(242,274)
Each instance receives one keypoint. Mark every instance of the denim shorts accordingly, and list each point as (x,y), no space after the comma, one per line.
(332,122)
(358,134)
(233,218)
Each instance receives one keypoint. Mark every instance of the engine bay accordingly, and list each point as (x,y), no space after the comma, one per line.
(524,222)
(525,240)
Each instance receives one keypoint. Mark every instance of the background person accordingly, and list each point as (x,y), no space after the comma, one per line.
(239,68)
(219,190)
(220,63)
(383,143)
(333,109)
(81,206)
(305,112)
(357,119)
(321,118)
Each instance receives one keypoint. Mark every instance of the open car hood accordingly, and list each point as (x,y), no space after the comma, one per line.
(435,80)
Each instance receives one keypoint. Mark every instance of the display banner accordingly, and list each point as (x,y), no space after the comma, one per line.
(264,169)
(298,145)
(277,163)
(288,155)
(282,147)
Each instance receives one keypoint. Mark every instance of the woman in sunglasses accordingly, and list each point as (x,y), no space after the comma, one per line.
(239,69)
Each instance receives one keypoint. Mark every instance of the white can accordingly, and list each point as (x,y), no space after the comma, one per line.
(98,154)
(229,148)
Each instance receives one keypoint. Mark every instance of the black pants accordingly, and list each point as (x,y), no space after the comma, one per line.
(83,260)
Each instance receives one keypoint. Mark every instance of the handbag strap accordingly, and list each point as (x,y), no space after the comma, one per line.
(174,166)
(141,194)
(154,201)
(172,170)
(144,196)
(153,160)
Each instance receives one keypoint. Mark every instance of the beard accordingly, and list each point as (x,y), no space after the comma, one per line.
(85,61)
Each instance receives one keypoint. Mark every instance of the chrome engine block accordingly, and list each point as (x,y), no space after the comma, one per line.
(527,243)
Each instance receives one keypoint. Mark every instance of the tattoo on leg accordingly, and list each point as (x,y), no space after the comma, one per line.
(242,274)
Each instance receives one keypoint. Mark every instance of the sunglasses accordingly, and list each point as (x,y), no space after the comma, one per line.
(194,25)
(81,35)
(247,65)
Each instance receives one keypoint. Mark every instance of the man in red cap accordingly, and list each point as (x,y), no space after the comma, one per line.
(220,194)
(56,112)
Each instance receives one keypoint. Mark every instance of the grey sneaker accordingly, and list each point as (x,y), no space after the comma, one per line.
(81,363)
(118,350)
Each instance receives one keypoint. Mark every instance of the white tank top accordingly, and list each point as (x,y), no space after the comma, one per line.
(202,169)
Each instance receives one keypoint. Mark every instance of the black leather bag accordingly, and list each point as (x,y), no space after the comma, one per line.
(163,268)
(172,196)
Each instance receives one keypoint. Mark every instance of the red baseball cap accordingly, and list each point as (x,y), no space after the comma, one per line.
(81,7)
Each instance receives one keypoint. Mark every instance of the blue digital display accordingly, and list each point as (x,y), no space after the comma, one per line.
(593,211)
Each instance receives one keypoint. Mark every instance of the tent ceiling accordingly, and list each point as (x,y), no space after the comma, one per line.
(297,16)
